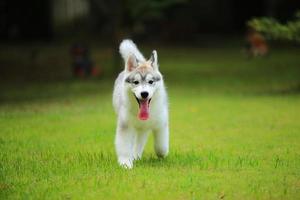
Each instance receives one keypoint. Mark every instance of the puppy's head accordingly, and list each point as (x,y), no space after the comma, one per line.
(143,79)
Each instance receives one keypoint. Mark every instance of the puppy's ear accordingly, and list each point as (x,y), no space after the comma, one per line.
(131,64)
(153,59)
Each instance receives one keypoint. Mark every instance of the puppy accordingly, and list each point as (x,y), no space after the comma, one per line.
(140,101)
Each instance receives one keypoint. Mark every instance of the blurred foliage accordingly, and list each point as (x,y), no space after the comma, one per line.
(276,30)
(149,9)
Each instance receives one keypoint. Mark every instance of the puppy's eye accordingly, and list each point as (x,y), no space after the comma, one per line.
(150,82)
(135,82)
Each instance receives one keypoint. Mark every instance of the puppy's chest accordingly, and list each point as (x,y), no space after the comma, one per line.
(146,125)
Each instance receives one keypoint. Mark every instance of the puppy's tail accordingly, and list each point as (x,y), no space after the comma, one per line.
(127,48)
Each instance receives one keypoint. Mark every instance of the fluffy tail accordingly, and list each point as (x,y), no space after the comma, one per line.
(127,48)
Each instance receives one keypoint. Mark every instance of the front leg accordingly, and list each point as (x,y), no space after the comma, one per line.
(124,142)
(161,141)
(140,142)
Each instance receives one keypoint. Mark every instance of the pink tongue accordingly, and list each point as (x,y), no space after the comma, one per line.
(144,110)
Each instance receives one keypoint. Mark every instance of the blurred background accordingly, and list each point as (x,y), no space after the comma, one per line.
(232,71)
(58,40)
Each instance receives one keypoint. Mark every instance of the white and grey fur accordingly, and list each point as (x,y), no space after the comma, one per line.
(131,132)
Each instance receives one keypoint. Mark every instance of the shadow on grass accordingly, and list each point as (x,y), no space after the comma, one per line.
(72,88)
(202,160)
(293,90)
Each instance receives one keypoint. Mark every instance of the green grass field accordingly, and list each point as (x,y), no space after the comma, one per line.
(234,125)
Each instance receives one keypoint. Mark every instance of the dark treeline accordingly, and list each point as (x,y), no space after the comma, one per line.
(165,20)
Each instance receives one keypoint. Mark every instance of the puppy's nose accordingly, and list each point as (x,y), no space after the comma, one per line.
(144,94)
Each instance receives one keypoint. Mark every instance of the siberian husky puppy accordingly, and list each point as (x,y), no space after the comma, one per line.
(140,101)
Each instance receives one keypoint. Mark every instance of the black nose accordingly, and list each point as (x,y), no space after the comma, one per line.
(144,94)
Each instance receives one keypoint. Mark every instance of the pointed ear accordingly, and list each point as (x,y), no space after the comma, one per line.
(131,64)
(153,59)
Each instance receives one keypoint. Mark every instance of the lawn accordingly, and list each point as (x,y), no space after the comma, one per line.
(234,125)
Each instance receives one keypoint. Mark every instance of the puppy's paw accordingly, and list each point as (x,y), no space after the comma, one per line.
(137,157)
(125,163)
(162,153)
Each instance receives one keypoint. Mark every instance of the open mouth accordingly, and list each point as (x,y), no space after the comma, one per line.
(144,110)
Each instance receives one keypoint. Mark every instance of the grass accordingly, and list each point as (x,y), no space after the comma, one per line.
(235,133)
